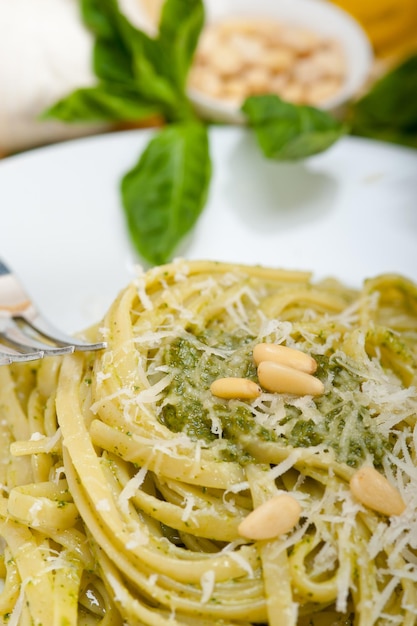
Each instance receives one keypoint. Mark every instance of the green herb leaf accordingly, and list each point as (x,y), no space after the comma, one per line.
(126,58)
(389,110)
(162,64)
(151,80)
(102,103)
(112,56)
(112,63)
(290,132)
(98,16)
(179,30)
(165,193)
(124,54)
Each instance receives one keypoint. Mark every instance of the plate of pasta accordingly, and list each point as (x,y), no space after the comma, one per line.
(243,450)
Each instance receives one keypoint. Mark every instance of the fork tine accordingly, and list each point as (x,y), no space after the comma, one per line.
(11,356)
(24,332)
(15,337)
(5,359)
(44,328)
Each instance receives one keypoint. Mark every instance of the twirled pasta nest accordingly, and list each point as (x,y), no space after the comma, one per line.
(126,481)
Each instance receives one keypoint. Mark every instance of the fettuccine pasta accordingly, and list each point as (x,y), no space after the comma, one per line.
(125,480)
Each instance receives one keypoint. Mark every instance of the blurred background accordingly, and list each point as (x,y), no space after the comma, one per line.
(45,53)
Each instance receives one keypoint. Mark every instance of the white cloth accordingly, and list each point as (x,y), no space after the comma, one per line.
(45,53)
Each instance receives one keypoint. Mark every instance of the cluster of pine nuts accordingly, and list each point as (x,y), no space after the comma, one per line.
(280,370)
(237,58)
(286,370)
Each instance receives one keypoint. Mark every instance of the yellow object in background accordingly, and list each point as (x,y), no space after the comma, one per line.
(391,25)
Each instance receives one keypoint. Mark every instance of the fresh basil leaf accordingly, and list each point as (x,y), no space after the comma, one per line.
(129,54)
(388,134)
(290,132)
(112,63)
(102,102)
(164,194)
(98,16)
(131,65)
(124,54)
(153,84)
(179,30)
(112,56)
(389,110)
(162,64)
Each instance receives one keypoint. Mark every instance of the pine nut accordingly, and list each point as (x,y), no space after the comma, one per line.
(374,491)
(323,89)
(308,71)
(226,62)
(234,90)
(204,78)
(278,83)
(330,62)
(273,518)
(230,388)
(257,79)
(279,378)
(299,39)
(293,92)
(278,60)
(284,355)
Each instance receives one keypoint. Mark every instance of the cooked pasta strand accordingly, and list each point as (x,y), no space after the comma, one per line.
(124,480)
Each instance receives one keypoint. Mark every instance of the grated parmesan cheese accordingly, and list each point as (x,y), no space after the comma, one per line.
(207,581)
(131,488)
(103,505)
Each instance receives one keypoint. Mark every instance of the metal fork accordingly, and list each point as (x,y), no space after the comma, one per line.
(25,335)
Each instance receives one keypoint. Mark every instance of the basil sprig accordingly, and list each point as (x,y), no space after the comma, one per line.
(286,132)
(139,76)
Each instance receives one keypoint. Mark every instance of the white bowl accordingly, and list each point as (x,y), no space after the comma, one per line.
(319,16)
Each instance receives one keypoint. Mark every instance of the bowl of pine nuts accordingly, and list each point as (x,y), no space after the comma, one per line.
(305,51)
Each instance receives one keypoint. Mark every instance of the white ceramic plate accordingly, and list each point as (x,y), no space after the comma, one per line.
(349,212)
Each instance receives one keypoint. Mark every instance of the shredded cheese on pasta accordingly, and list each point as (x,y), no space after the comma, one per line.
(124,480)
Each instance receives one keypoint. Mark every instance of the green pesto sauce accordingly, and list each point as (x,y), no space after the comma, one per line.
(345,427)
(186,409)
(188,406)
